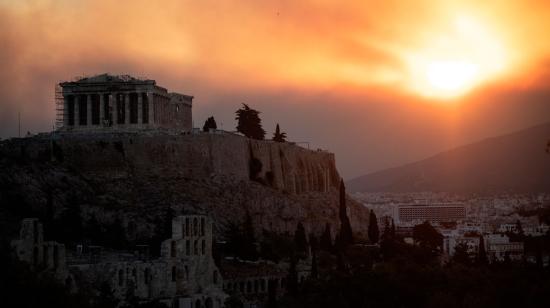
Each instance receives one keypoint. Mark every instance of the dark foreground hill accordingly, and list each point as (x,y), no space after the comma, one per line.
(515,162)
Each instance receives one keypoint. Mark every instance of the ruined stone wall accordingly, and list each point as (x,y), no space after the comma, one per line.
(39,254)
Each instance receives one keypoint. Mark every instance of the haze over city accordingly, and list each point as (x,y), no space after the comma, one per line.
(377,83)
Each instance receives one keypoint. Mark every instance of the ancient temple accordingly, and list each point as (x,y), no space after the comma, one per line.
(121,103)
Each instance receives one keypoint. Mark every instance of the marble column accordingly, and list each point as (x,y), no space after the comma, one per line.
(112,103)
(89,109)
(140,108)
(76,110)
(126,108)
(101,109)
(152,120)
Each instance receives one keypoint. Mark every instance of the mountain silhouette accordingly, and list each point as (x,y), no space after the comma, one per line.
(516,162)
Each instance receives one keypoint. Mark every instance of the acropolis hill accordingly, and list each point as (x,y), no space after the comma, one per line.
(135,171)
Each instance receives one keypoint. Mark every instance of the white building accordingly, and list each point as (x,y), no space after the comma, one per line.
(498,247)
(434,213)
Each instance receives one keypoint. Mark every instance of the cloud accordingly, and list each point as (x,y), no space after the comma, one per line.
(332,73)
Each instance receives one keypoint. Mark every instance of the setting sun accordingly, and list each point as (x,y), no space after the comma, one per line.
(456,59)
(451,77)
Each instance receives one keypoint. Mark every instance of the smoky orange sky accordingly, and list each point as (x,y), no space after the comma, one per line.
(379,83)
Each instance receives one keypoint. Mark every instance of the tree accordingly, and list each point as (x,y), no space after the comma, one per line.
(326,239)
(233,235)
(209,123)
(482,253)
(249,239)
(314,246)
(300,241)
(314,272)
(68,227)
(249,123)
(373,231)
(241,240)
(461,254)
(519,228)
(278,136)
(346,235)
(292,280)
(117,235)
(428,237)
(386,234)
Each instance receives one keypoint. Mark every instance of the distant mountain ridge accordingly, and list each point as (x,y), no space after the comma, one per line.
(515,162)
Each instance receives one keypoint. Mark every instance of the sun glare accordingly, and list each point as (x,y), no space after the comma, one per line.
(451,76)
(455,61)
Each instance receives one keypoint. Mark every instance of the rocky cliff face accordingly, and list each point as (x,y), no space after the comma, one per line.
(137,176)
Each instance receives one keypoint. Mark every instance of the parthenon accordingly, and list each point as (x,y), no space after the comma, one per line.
(121,102)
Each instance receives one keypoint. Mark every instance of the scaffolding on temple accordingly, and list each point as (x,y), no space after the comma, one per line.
(59,107)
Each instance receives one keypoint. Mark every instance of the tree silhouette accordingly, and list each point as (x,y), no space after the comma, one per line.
(519,228)
(482,253)
(278,136)
(300,241)
(346,235)
(209,123)
(326,239)
(314,271)
(292,279)
(249,239)
(373,231)
(427,236)
(249,123)
(461,254)
(241,240)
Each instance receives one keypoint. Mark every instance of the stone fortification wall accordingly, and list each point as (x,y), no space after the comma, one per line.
(286,167)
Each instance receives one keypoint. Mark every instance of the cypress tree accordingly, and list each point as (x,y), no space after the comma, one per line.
(300,241)
(538,254)
(292,280)
(278,136)
(249,239)
(326,239)
(482,253)
(346,235)
(519,228)
(386,234)
(373,232)
(314,247)
(314,271)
